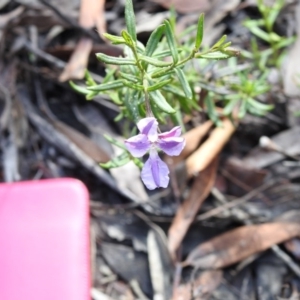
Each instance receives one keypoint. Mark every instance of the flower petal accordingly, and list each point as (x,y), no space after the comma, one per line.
(172,145)
(148,126)
(138,145)
(155,172)
(175,132)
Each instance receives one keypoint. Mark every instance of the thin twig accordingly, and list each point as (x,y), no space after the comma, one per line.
(234,203)
(291,264)
(4,117)
(241,184)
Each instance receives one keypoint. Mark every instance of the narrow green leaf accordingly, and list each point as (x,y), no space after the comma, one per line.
(186,105)
(171,42)
(130,19)
(219,42)
(79,89)
(137,162)
(254,111)
(226,45)
(129,77)
(114,96)
(274,11)
(230,106)
(119,117)
(109,75)
(130,69)
(274,37)
(172,18)
(213,88)
(199,35)
(162,72)
(159,116)
(128,39)
(131,101)
(154,40)
(260,33)
(114,60)
(119,161)
(260,106)
(140,47)
(285,42)
(158,85)
(107,86)
(161,102)
(177,119)
(116,40)
(91,95)
(258,90)
(141,108)
(251,23)
(114,141)
(261,6)
(242,110)
(174,90)
(132,85)
(213,55)
(184,83)
(89,79)
(165,53)
(211,109)
(155,62)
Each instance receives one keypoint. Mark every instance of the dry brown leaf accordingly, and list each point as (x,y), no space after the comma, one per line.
(78,62)
(91,14)
(192,139)
(186,6)
(238,244)
(202,286)
(83,142)
(201,158)
(189,208)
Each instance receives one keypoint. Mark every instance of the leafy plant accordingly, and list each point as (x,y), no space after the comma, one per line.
(163,79)
(152,79)
(263,29)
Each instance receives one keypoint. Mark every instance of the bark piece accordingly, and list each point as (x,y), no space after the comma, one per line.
(238,244)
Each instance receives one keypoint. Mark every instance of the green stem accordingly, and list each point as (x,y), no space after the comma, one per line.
(145,82)
(191,56)
(147,100)
(136,56)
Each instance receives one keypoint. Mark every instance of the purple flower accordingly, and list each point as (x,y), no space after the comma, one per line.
(155,172)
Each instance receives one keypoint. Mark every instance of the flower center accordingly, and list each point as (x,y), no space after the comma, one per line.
(153,146)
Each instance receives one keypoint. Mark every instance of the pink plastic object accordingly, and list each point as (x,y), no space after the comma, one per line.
(44,241)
